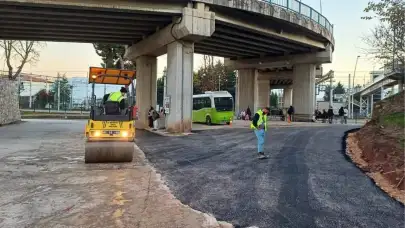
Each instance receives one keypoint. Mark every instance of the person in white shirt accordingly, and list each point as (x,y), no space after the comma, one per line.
(346,114)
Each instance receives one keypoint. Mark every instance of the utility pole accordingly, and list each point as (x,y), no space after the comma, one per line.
(354,75)
(30,90)
(219,82)
(331,92)
(349,98)
(58,93)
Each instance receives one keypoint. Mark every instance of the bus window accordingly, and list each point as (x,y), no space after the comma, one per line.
(207,102)
(223,103)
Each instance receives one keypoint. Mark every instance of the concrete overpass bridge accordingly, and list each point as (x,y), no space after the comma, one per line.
(270,43)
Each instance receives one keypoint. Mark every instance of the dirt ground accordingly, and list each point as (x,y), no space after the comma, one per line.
(378,147)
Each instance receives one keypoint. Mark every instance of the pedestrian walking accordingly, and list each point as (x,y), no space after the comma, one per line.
(259,125)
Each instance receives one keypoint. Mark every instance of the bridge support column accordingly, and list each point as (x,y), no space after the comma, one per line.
(287,97)
(245,97)
(180,86)
(262,92)
(304,92)
(146,72)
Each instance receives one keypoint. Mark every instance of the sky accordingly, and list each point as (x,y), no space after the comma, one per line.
(74,59)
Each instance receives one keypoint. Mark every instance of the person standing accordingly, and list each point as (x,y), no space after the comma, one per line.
(341,114)
(259,125)
(346,113)
(290,113)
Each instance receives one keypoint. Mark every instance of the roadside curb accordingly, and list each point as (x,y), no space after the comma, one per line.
(13,123)
(209,220)
(55,117)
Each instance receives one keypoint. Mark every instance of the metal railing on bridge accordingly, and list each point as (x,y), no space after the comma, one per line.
(304,10)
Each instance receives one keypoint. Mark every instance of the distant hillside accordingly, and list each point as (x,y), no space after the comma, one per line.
(378,147)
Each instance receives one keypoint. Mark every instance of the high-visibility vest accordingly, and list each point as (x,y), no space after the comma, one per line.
(262,120)
(115,96)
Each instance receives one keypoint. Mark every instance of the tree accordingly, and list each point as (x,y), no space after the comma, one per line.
(19,53)
(387,40)
(274,99)
(338,89)
(113,56)
(65,91)
(160,84)
(213,78)
(43,98)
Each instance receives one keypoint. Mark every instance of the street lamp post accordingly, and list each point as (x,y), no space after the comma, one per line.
(354,75)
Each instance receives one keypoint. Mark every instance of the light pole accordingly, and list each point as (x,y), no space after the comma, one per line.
(354,75)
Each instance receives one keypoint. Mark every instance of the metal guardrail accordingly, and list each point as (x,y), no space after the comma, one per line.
(304,10)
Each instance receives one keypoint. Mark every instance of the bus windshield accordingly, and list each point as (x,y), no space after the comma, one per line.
(223,103)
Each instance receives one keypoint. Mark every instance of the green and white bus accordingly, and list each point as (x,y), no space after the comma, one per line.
(213,107)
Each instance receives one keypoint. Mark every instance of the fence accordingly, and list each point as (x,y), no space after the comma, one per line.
(40,93)
(304,10)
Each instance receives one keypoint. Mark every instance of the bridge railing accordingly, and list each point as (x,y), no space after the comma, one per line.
(304,10)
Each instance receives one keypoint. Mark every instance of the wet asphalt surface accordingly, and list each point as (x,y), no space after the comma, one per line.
(307,182)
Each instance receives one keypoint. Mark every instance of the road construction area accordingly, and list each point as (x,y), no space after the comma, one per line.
(306,182)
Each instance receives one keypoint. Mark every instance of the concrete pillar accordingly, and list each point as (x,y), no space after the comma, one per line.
(261,92)
(180,86)
(400,86)
(146,73)
(304,91)
(382,95)
(287,97)
(245,90)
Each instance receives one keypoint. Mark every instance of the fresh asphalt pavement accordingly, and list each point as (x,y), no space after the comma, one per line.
(306,182)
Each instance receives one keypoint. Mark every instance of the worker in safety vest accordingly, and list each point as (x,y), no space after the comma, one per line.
(118,96)
(259,124)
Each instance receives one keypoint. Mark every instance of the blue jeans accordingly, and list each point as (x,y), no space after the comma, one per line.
(261,136)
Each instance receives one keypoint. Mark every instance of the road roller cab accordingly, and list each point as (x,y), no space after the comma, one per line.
(110,131)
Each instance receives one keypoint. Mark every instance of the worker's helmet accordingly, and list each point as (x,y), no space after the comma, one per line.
(123,90)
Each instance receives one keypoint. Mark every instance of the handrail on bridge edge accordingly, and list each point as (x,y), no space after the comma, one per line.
(303,10)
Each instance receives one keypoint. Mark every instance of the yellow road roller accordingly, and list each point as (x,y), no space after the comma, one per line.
(110,131)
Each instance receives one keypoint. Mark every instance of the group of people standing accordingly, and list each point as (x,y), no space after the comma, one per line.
(329,115)
(154,116)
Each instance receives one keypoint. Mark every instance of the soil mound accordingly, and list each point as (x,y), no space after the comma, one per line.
(378,147)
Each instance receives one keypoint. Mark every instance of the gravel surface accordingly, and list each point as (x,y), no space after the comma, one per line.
(306,182)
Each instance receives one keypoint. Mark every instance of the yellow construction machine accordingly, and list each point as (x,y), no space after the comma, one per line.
(110,134)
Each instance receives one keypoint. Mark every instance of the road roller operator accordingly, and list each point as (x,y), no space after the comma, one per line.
(111,100)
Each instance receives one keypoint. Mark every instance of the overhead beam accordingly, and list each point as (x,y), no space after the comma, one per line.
(56,25)
(280,45)
(135,21)
(282,61)
(291,37)
(7,29)
(103,6)
(69,34)
(194,25)
(64,38)
(249,42)
(229,47)
(222,42)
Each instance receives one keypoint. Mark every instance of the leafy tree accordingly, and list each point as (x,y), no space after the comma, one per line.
(42,98)
(274,99)
(65,91)
(160,84)
(387,39)
(213,78)
(338,89)
(21,53)
(113,56)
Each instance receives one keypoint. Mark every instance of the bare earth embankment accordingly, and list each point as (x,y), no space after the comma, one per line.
(378,147)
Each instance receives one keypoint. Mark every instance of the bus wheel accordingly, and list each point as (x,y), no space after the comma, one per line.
(208,120)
